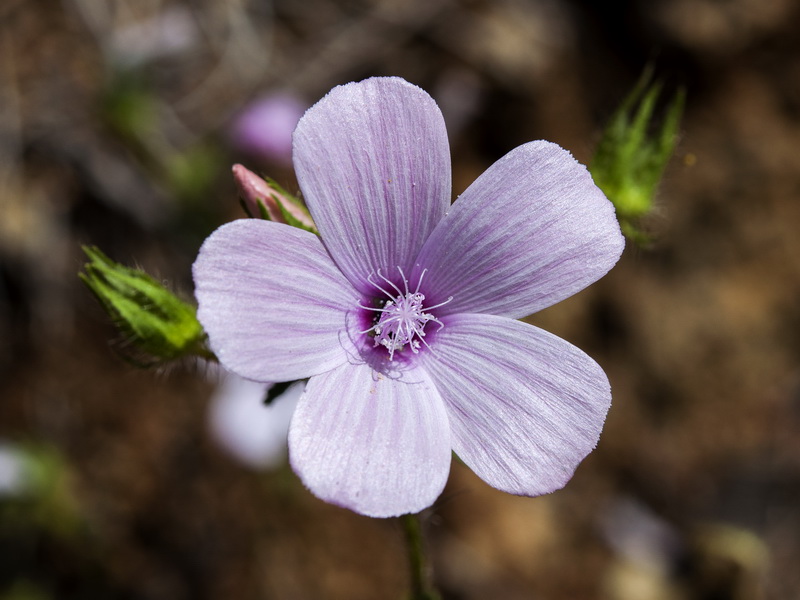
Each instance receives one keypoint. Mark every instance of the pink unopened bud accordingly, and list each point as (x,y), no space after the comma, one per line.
(260,196)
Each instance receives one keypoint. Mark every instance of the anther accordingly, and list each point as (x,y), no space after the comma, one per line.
(400,320)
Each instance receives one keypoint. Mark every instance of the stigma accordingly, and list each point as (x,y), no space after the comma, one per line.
(400,315)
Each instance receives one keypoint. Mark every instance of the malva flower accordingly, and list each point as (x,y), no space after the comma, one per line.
(403,311)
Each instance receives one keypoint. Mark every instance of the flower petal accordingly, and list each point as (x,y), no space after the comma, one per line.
(525,406)
(373,162)
(272,301)
(532,230)
(373,444)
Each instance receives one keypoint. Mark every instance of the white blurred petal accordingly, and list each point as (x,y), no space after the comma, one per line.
(249,430)
(12,471)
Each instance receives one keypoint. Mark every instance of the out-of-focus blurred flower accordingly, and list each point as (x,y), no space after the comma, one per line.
(647,550)
(266,199)
(241,422)
(264,128)
(459,95)
(169,32)
(641,536)
(12,471)
(36,489)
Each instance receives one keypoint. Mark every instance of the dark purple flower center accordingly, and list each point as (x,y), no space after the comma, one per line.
(400,315)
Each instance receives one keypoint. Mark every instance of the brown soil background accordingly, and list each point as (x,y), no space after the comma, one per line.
(698,334)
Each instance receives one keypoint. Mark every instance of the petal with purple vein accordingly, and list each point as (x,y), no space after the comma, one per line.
(271,301)
(376,445)
(373,163)
(531,231)
(525,407)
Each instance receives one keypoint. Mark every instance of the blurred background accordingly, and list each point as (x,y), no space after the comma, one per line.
(119,122)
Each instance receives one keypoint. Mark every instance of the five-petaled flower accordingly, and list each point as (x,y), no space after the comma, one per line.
(403,311)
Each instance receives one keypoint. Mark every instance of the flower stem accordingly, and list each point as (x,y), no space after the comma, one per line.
(421,586)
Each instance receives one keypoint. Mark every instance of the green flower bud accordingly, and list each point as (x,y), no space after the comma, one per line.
(156,322)
(631,156)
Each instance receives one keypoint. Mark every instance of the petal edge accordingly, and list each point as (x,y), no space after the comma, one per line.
(373,162)
(375,445)
(525,406)
(271,301)
(532,230)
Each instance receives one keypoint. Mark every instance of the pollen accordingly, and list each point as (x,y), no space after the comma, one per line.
(401,315)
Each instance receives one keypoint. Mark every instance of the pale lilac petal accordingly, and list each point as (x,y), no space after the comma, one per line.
(249,430)
(371,443)
(272,301)
(373,163)
(525,407)
(531,231)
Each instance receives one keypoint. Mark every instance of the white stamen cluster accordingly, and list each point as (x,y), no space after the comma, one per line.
(400,320)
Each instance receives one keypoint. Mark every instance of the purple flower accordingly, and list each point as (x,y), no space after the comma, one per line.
(264,128)
(403,311)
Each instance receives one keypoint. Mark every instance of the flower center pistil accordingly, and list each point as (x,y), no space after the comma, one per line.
(401,316)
